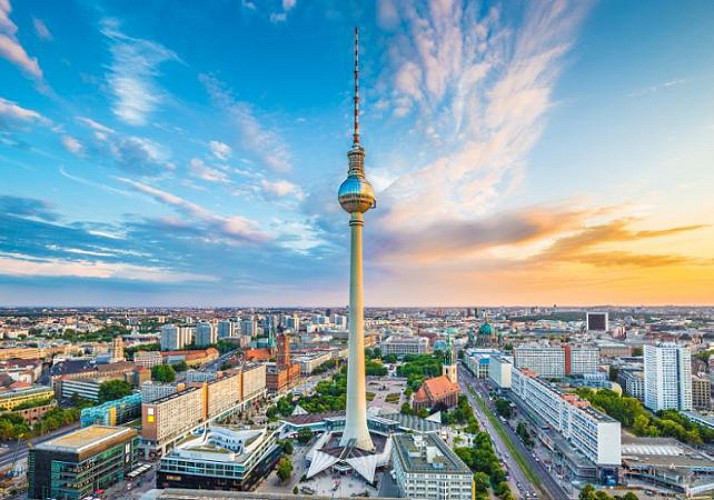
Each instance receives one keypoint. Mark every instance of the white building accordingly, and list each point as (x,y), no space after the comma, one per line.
(668,377)
(547,362)
(171,338)
(339,321)
(499,370)
(425,468)
(581,360)
(309,364)
(249,327)
(591,432)
(632,383)
(148,359)
(404,345)
(206,334)
(151,391)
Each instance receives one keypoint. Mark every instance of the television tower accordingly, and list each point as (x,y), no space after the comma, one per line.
(356,196)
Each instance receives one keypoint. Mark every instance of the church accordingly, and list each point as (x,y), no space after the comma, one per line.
(442,391)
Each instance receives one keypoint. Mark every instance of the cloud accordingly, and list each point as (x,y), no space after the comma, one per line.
(41,29)
(656,88)
(265,144)
(27,207)
(236,228)
(220,150)
(281,189)
(10,47)
(140,155)
(71,144)
(9,109)
(133,72)
(289,4)
(200,170)
(95,125)
(28,266)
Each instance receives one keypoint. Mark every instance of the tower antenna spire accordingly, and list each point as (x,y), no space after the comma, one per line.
(355,134)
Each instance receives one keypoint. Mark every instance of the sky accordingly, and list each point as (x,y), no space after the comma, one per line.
(189,153)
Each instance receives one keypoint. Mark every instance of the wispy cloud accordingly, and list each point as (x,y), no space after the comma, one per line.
(11,110)
(27,207)
(281,188)
(10,47)
(266,144)
(202,171)
(41,29)
(235,227)
(656,88)
(220,150)
(72,145)
(133,72)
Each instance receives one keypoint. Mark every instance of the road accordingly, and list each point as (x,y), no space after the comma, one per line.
(8,455)
(466,380)
(554,490)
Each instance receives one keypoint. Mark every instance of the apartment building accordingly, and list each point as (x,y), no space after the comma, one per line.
(668,377)
(547,362)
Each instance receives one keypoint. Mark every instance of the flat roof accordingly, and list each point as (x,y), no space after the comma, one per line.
(413,456)
(82,440)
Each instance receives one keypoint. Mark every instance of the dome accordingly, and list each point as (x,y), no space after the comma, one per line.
(356,195)
(485,329)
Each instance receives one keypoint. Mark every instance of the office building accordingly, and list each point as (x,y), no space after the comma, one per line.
(172,338)
(117,412)
(249,327)
(499,371)
(592,433)
(477,361)
(401,346)
(581,360)
(425,468)
(148,359)
(701,393)
(221,459)
(226,329)
(632,383)
(151,391)
(668,377)
(76,465)
(597,321)
(166,420)
(339,321)
(547,362)
(11,399)
(83,388)
(310,363)
(206,334)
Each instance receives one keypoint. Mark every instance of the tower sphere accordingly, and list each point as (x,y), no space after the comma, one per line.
(356,195)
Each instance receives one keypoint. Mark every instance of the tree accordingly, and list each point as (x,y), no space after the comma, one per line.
(503,407)
(377,353)
(637,351)
(163,373)
(304,436)
(406,409)
(285,469)
(295,490)
(113,389)
(481,481)
(287,446)
(587,493)
(181,366)
(390,358)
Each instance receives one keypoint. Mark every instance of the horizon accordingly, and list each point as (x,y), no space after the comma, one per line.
(521,153)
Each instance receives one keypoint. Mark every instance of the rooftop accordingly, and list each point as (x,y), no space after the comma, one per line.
(427,453)
(83,439)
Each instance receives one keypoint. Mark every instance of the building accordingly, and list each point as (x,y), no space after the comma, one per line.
(309,364)
(220,459)
(148,359)
(593,434)
(76,465)
(668,377)
(499,371)
(151,391)
(477,361)
(166,420)
(581,360)
(206,334)
(425,468)
(116,351)
(701,393)
(226,329)
(284,374)
(172,338)
(402,345)
(249,327)
(596,322)
(440,392)
(85,388)
(119,411)
(547,362)
(9,400)
(632,383)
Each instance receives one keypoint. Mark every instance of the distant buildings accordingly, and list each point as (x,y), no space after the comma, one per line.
(425,468)
(175,337)
(284,374)
(668,377)
(221,459)
(226,329)
(401,346)
(557,361)
(206,334)
(597,321)
(80,463)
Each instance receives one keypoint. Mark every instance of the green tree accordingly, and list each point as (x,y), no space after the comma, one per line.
(482,482)
(390,358)
(503,407)
(114,389)
(406,409)
(285,469)
(587,493)
(304,436)
(163,373)
(287,446)
(295,490)
(181,366)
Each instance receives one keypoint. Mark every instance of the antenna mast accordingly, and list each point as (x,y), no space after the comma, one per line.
(356,97)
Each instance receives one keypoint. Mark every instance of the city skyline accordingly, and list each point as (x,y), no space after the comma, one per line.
(521,154)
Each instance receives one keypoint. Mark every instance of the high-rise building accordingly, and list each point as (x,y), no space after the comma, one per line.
(249,327)
(171,338)
(597,321)
(226,329)
(356,196)
(668,377)
(206,334)
(701,393)
(581,360)
(78,464)
(547,362)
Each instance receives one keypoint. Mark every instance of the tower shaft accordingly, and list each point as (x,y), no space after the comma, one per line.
(356,418)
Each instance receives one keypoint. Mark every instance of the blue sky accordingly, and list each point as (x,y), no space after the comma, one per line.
(185,153)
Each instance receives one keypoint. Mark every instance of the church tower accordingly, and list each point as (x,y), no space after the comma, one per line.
(448,369)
